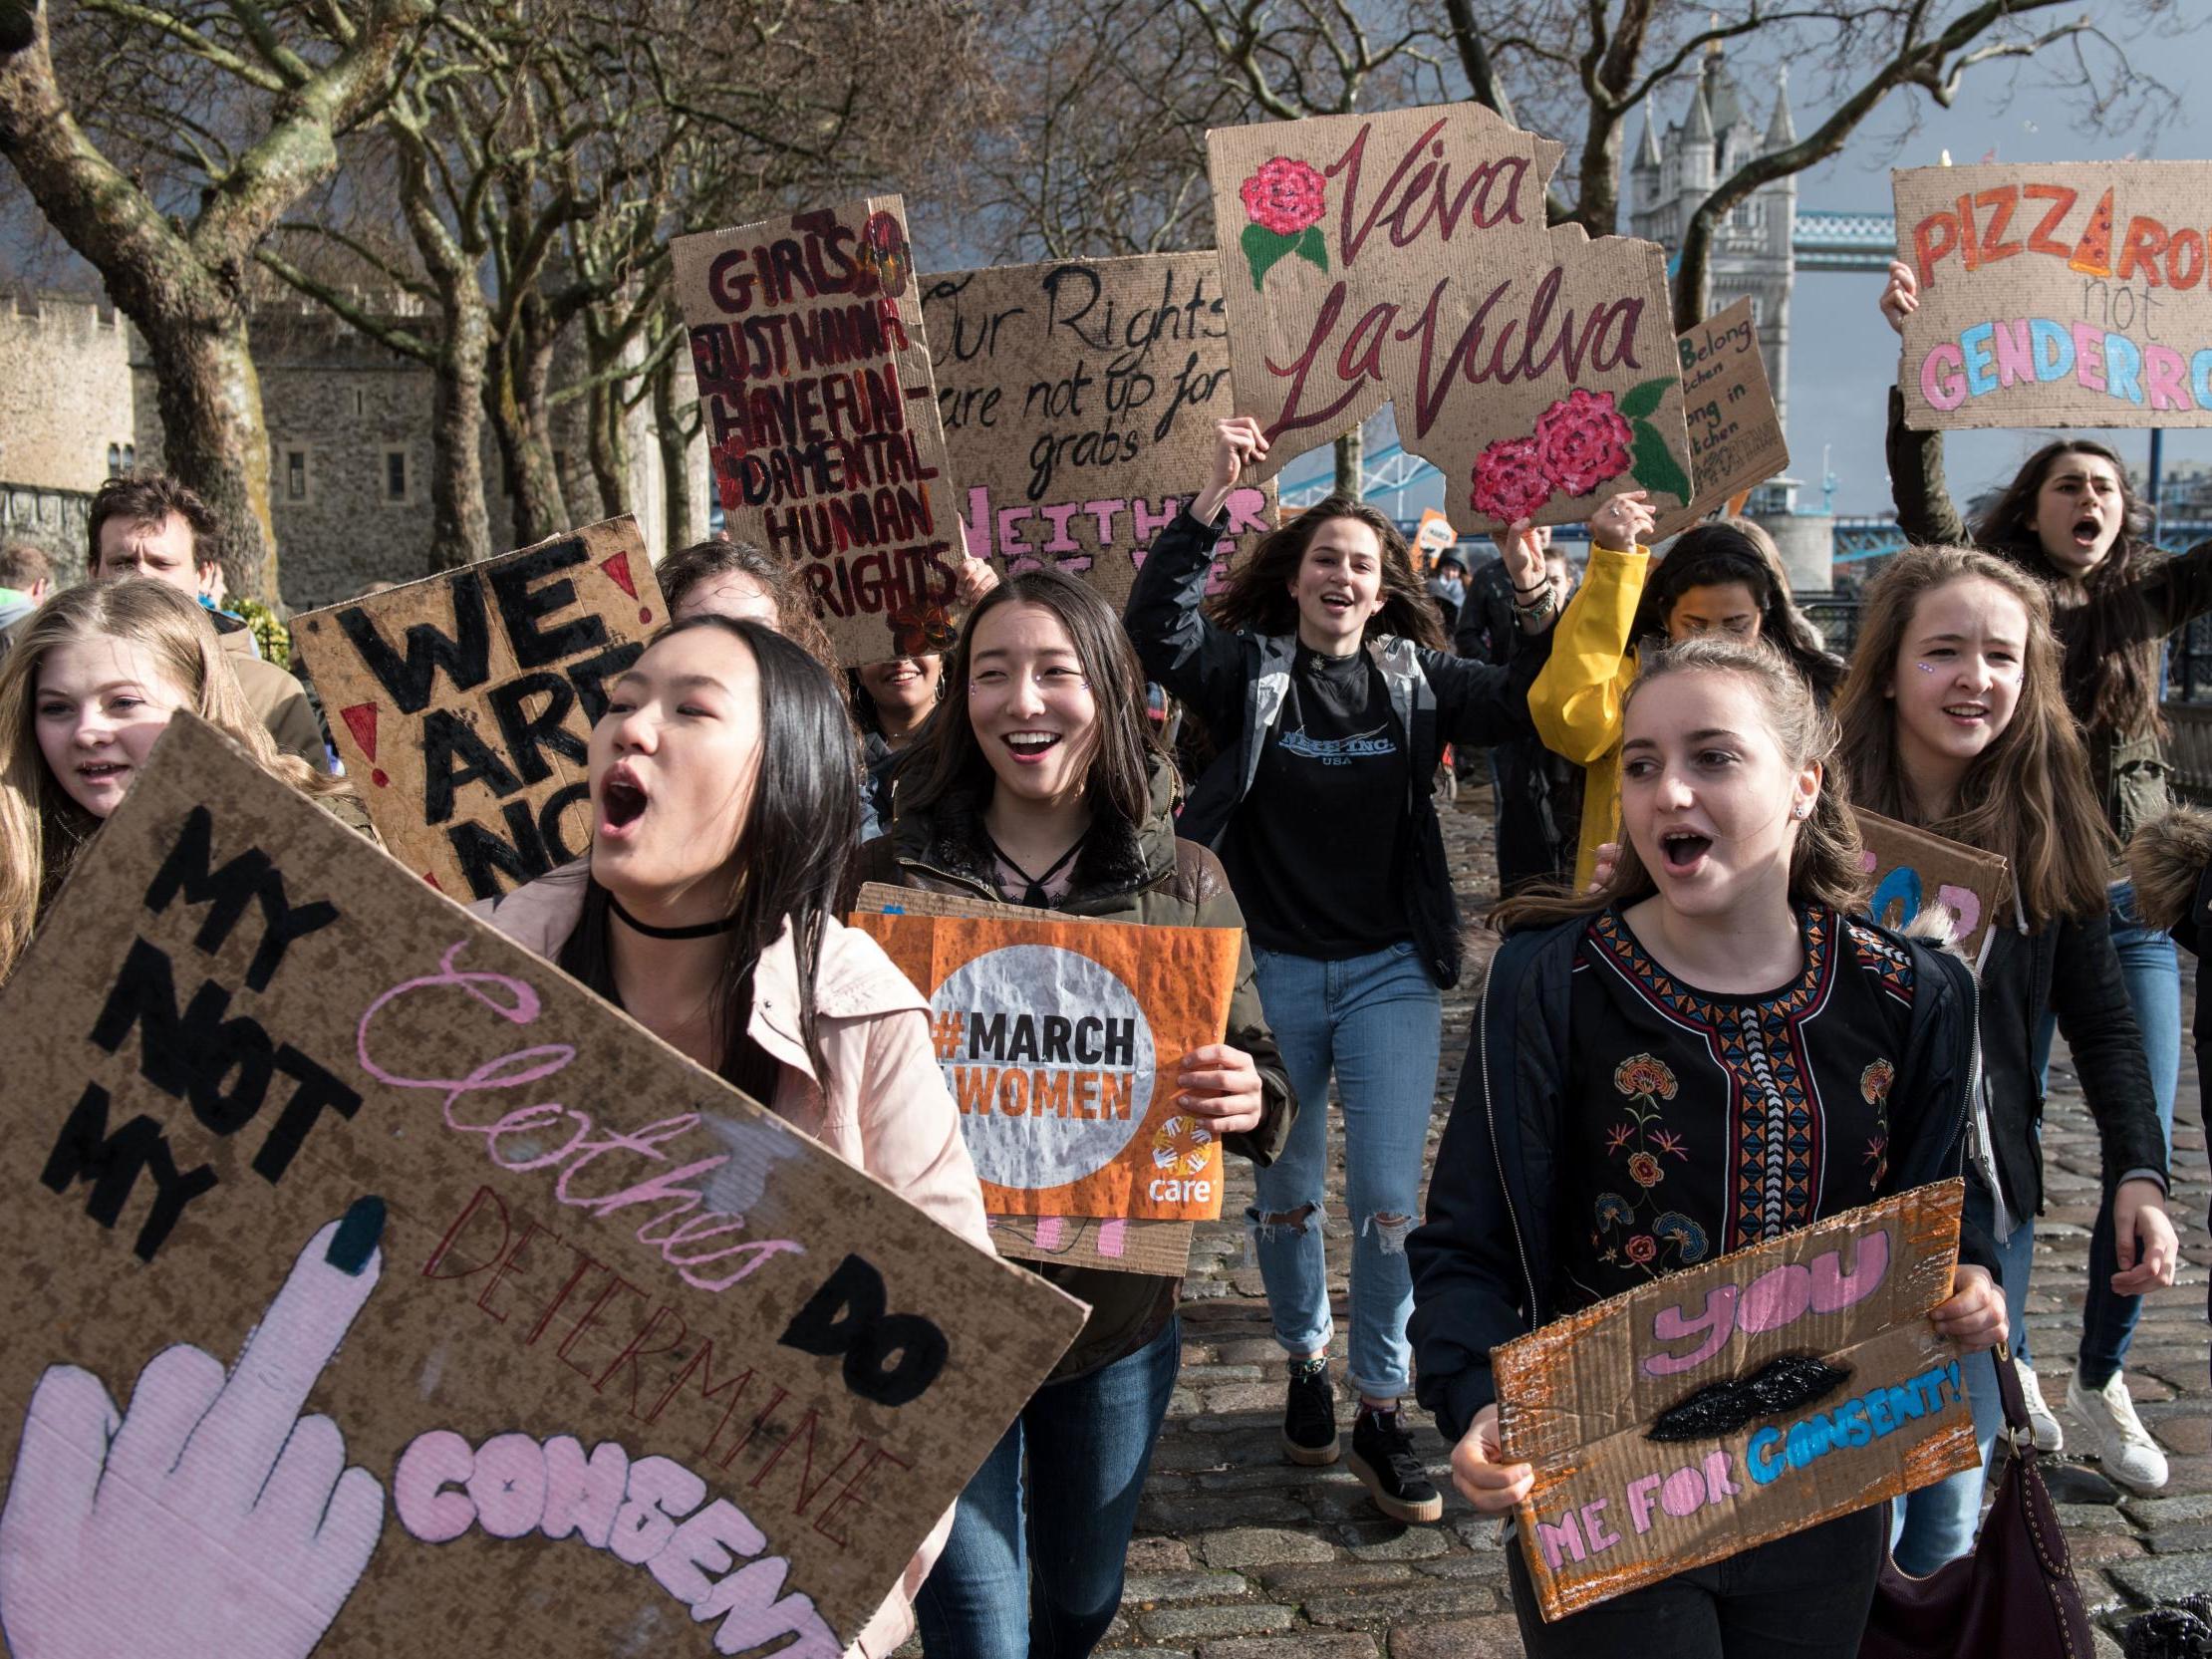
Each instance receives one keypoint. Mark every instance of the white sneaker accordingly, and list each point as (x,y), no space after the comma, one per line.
(2125,1446)
(2043,1423)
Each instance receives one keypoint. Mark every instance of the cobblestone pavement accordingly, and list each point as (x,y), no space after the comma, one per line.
(1241,1554)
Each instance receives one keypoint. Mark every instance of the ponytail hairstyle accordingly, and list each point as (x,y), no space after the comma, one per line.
(2110,674)
(946,757)
(1825,859)
(1257,597)
(2028,795)
(1715,555)
(797,835)
(43,830)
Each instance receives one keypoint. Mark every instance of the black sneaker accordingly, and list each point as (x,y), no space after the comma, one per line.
(1383,1457)
(1310,1414)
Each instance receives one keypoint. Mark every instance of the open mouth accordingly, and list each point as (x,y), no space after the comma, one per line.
(1682,851)
(1967,713)
(2086,532)
(1031,747)
(1337,603)
(621,801)
(100,771)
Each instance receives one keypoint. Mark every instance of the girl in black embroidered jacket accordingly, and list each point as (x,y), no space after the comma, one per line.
(1953,721)
(1705,1053)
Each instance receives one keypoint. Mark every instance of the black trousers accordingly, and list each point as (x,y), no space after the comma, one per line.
(1805,1596)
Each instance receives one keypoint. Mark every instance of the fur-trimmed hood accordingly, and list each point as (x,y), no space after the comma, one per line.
(2168,859)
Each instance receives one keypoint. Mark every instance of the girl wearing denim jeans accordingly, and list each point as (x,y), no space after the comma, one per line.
(2070,520)
(1953,721)
(1705,1053)
(1323,678)
(1041,782)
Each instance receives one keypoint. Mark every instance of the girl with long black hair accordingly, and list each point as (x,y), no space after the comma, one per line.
(1042,783)
(724,815)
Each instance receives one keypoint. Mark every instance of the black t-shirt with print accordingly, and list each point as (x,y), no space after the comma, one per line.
(1701,1123)
(1314,851)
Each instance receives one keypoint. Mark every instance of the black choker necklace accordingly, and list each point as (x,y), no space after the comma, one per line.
(697,930)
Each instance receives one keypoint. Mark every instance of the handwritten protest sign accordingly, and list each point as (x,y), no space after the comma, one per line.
(1736,436)
(1079,398)
(1054,1036)
(1404,256)
(1651,1456)
(1914,869)
(2066,294)
(463,704)
(1123,1243)
(821,421)
(633,1364)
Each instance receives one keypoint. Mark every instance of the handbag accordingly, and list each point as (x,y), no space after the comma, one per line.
(2014,1597)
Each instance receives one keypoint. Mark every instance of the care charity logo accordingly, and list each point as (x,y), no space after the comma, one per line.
(1182,1150)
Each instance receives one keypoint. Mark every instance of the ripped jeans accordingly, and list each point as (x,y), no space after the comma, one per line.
(1377,1021)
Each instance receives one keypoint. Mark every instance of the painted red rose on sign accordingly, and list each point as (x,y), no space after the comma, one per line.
(1509,479)
(921,629)
(1584,440)
(1284,197)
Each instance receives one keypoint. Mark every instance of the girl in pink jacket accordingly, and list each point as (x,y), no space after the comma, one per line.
(723,811)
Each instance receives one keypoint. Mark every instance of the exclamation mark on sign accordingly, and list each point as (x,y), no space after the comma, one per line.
(618,571)
(361,721)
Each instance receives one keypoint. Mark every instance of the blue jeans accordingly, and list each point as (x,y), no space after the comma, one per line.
(2153,975)
(1378,1022)
(1936,1524)
(1042,1580)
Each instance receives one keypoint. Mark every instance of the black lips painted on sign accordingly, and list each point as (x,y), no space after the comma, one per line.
(1780,1386)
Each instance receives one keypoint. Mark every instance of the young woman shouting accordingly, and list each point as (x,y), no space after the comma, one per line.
(1707,1054)
(1321,676)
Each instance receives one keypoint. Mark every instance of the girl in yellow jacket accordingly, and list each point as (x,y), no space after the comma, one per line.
(1716,578)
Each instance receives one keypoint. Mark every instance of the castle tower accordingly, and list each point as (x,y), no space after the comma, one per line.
(1675,169)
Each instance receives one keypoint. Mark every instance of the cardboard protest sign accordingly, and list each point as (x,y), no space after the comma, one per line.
(1913,870)
(1058,1041)
(638,1365)
(1079,398)
(1404,257)
(821,421)
(1131,1245)
(1651,1460)
(1736,436)
(2069,294)
(1433,535)
(463,704)
(882,897)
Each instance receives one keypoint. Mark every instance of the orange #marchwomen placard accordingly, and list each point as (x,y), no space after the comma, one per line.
(1059,1042)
